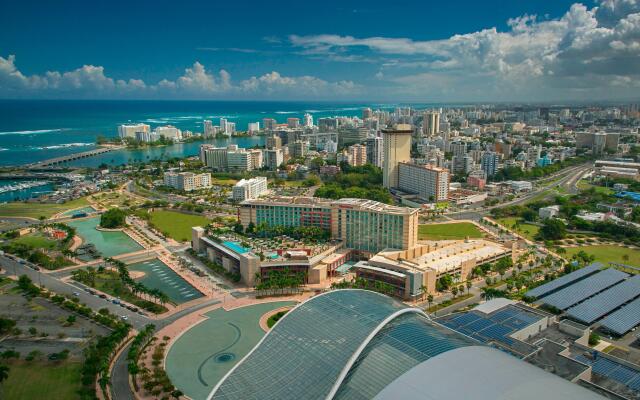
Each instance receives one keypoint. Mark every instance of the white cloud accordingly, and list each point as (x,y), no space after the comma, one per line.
(195,82)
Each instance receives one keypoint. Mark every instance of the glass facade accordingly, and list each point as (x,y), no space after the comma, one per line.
(305,353)
(293,216)
(372,232)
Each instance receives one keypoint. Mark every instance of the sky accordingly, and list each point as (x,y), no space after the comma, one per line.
(423,51)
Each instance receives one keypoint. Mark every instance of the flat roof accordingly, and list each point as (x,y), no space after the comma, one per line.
(564,280)
(584,289)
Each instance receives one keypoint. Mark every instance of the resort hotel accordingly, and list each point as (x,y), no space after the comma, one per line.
(376,241)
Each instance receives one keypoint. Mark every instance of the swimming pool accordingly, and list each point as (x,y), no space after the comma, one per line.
(110,243)
(159,276)
(235,247)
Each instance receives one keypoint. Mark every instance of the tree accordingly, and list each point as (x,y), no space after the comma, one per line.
(552,229)
(113,218)
(454,290)
(4,373)
(429,299)
(469,284)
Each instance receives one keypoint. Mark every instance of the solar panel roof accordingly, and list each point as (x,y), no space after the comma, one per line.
(623,320)
(584,289)
(565,280)
(607,301)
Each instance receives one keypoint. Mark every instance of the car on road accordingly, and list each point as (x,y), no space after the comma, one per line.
(124,317)
(103,296)
(76,294)
(115,301)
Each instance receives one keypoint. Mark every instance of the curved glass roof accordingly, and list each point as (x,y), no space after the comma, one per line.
(309,350)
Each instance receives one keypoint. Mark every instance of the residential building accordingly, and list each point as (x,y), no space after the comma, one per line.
(269,124)
(253,127)
(349,136)
(293,123)
(298,149)
(307,121)
(231,158)
(129,131)
(548,212)
(247,189)
(431,123)
(357,155)
(397,149)
(208,128)
(428,182)
(490,161)
(187,181)
(597,142)
(274,142)
(168,132)
(273,159)
(375,151)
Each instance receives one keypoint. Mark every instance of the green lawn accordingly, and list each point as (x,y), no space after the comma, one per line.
(527,230)
(36,241)
(584,185)
(35,210)
(177,225)
(42,380)
(452,231)
(606,253)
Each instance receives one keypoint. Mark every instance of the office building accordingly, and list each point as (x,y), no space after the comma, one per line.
(428,182)
(490,160)
(397,149)
(129,131)
(187,181)
(431,123)
(375,151)
(357,155)
(247,189)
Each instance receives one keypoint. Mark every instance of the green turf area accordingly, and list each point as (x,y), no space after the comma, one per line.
(42,380)
(527,230)
(609,253)
(36,241)
(35,210)
(584,185)
(177,225)
(452,231)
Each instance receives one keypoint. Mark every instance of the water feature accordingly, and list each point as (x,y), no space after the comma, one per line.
(108,243)
(83,210)
(159,276)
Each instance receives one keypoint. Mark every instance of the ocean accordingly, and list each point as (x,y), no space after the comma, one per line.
(35,130)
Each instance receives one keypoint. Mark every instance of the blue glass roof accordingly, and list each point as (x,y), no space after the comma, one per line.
(309,351)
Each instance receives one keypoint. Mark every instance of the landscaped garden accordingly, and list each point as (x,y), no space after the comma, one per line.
(450,231)
(520,226)
(38,210)
(608,253)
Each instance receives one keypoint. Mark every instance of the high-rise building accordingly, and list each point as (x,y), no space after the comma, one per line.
(375,151)
(129,131)
(187,181)
(298,148)
(247,189)
(168,132)
(431,123)
(208,128)
(253,127)
(533,155)
(223,125)
(367,113)
(273,159)
(458,161)
(349,136)
(274,142)
(428,182)
(397,149)
(308,120)
(357,155)
(231,158)
(293,123)
(269,124)
(490,161)
(598,142)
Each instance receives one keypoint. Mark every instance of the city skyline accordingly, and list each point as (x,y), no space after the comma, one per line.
(463,52)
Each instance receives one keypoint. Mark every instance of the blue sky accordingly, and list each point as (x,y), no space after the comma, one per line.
(364,50)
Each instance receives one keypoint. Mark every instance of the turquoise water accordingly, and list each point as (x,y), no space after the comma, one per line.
(34,130)
(23,194)
(109,244)
(235,247)
(159,276)
(87,210)
(205,353)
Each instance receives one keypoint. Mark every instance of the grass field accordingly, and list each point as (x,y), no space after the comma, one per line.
(450,231)
(35,210)
(584,185)
(42,380)
(527,230)
(36,241)
(177,225)
(606,253)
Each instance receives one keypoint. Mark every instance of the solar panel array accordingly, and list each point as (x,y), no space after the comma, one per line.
(565,280)
(623,320)
(613,370)
(607,301)
(584,289)
(493,327)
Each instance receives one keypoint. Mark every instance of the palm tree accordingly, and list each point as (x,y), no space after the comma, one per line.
(429,300)
(469,284)
(454,291)
(423,292)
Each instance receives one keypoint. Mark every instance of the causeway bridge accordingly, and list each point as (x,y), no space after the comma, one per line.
(52,162)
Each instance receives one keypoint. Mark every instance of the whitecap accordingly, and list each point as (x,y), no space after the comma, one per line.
(286,112)
(3,149)
(63,146)
(33,132)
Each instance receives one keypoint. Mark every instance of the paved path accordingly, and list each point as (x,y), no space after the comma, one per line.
(120,389)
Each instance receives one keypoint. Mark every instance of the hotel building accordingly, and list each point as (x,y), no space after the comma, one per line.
(428,182)
(187,181)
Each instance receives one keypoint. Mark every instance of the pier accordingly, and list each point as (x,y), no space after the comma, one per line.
(72,157)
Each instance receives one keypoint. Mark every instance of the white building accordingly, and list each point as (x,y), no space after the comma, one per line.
(247,189)
(357,155)
(521,186)
(428,182)
(231,158)
(253,127)
(308,121)
(208,128)
(130,130)
(168,132)
(375,151)
(273,158)
(187,181)
(330,146)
